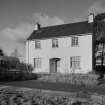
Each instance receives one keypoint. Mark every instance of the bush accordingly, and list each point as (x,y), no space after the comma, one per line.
(35,76)
(22,72)
(100,69)
(12,69)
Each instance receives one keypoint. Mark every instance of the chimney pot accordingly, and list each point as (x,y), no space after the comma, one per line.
(90,18)
(37,26)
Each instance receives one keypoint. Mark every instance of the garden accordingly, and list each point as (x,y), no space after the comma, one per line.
(25,96)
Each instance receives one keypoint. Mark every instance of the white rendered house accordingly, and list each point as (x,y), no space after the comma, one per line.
(66,48)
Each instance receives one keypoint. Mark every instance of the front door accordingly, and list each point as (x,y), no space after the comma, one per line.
(54,65)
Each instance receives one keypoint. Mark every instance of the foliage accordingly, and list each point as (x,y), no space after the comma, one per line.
(12,69)
(1,52)
(35,98)
(99,35)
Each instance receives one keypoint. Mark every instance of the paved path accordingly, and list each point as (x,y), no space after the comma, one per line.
(55,86)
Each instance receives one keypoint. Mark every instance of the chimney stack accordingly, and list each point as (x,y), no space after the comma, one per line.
(91,18)
(37,26)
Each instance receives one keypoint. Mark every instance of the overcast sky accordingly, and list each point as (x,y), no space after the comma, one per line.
(18,17)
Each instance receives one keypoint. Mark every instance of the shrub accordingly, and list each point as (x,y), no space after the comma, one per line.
(22,71)
(12,69)
(35,76)
(100,69)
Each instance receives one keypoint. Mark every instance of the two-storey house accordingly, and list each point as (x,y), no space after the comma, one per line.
(63,48)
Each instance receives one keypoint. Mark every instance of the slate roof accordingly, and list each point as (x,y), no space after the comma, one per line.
(62,30)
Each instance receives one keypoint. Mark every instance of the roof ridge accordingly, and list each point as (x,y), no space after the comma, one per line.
(82,27)
(63,24)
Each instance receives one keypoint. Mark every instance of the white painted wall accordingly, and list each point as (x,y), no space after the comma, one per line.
(64,51)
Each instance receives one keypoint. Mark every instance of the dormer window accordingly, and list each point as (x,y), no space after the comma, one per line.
(37,44)
(74,41)
(54,43)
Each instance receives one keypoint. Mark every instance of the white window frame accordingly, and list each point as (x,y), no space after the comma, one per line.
(74,41)
(55,43)
(37,62)
(37,44)
(75,62)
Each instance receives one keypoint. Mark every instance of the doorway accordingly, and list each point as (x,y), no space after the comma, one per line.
(54,65)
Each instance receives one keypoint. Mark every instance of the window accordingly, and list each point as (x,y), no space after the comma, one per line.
(37,62)
(54,43)
(74,41)
(75,62)
(37,44)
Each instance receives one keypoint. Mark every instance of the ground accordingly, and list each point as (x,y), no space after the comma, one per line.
(39,93)
(56,86)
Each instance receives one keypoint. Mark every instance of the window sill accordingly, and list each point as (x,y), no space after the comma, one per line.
(75,46)
(55,47)
(76,68)
(37,48)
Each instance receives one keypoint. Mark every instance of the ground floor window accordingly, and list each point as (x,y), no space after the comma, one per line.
(37,62)
(75,62)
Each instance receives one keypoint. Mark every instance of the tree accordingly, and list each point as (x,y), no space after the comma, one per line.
(1,52)
(16,53)
(99,33)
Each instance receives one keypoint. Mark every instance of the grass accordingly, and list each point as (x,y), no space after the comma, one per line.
(35,84)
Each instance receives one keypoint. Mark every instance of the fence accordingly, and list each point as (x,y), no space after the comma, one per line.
(77,79)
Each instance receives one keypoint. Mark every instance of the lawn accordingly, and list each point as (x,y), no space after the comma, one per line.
(35,84)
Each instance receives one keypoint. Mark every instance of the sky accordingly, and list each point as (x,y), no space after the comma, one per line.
(18,18)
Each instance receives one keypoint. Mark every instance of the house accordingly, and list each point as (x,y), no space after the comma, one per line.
(66,48)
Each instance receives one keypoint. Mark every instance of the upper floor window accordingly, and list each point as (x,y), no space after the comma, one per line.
(74,41)
(37,63)
(75,62)
(54,43)
(37,44)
